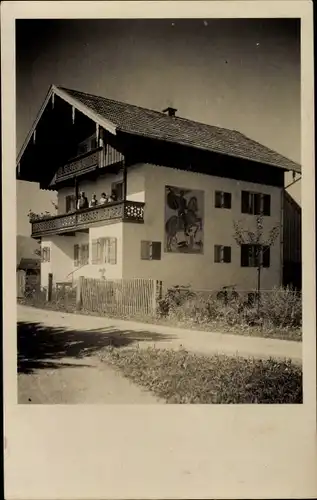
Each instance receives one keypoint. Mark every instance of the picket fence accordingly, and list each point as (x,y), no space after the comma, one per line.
(126,297)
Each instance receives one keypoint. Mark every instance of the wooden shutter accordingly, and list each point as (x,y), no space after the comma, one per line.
(257,204)
(145,250)
(156,250)
(95,252)
(112,250)
(227,200)
(245,255)
(218,199)
(76,255)
(48,254)
(84,254)
(245,202)
(227,254)
(266,256)
(217,253)
(266,204)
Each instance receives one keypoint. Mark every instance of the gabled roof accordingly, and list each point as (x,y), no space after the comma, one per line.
(117,116)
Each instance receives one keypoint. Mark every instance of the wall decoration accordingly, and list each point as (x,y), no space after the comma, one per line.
(184,215)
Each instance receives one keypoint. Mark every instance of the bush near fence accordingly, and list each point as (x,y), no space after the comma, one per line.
(277,308)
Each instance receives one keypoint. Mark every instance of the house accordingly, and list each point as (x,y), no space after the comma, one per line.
(28,264)
(178,187)
(292,251)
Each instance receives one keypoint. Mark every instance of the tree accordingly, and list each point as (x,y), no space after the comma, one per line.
(261,245)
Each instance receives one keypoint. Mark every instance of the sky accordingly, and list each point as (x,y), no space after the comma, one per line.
(238,74)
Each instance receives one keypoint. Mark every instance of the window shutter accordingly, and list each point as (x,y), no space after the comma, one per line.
(95,252)
(48,254)
(84,257)
(217,253)
(266,204)
(227,254)
(257,203)
(244,255)
(105,250)
(156,250)
(145,250)
(112,250)
(266,256)
(244,202)
(76,255)
(218,199)
(227,200)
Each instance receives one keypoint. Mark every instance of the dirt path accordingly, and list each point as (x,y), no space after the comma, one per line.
(96,332)
(61,366)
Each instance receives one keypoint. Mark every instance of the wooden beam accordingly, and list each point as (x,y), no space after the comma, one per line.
(125,178)
(73,114)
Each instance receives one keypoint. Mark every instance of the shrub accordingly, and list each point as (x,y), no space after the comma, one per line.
(282,307)
(178,376)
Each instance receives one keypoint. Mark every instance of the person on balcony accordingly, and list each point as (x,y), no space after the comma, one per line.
(113,196)
(93,202)
(82,201)
(104,199)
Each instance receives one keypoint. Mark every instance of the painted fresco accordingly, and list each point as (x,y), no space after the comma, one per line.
(184,215)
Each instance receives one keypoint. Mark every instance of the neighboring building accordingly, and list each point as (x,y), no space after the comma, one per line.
(179,187)
(292,252)
(28,265)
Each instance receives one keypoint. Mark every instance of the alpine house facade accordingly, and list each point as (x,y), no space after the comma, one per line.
(173,188)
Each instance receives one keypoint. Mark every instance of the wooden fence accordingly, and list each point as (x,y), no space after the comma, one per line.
(126,297)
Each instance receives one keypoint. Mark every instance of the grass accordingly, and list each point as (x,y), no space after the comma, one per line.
(178,376)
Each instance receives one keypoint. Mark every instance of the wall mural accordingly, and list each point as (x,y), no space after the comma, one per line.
(184,215)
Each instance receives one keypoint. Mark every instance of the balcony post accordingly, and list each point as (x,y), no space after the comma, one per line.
(124,181)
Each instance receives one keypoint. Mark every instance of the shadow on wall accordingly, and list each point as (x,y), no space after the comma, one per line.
(41,346)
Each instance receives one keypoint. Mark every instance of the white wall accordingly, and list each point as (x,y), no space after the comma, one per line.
(61,263)
(199,270)
(62,255)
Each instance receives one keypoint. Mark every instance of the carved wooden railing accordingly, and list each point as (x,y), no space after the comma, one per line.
(125,211)
(79,165)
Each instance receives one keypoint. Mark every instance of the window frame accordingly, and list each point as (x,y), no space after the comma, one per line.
(151,250)
(105,250)
(222,195)
(257,203)
(222,254)
(265,255)
(46,254)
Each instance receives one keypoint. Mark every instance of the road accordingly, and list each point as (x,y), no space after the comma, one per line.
(59,362)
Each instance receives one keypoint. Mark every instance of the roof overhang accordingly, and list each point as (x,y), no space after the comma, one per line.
(76,105)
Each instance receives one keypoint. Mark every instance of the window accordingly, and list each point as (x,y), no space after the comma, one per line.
(117,188)
(222,199)
(104,251)
(45,254)
(70,203)
(255,203)
(151,250)
(250,255)
(222,254)
(82,148)
(93,143)
(81,254)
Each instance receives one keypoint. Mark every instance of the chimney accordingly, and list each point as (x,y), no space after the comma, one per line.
(170,111)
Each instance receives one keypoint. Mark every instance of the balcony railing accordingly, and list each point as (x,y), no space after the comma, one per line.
(80,165)
(122,211)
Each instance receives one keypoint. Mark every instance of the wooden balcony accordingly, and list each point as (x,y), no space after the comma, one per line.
(80,165)
(122,211)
